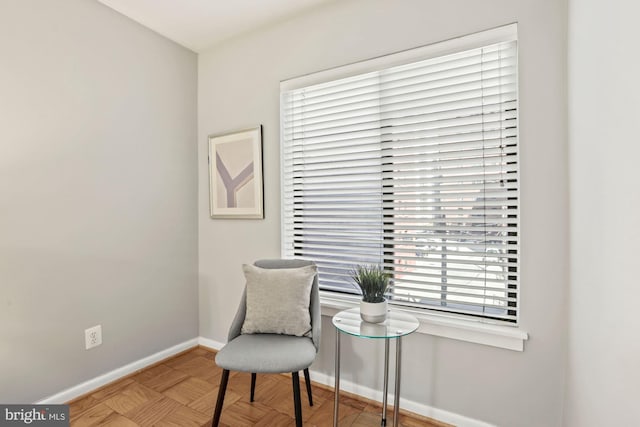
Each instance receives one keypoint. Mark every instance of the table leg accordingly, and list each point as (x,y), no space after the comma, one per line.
(386,383)
(396,397)
(337,379)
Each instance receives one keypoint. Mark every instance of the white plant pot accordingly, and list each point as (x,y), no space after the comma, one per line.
(373,312)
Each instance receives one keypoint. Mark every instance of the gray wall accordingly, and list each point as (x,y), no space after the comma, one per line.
(98,220)
(604,104)
(238,87)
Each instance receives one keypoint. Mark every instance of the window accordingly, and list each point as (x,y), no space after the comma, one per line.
(410,161)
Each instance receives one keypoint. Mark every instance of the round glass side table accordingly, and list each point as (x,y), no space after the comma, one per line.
(395,327)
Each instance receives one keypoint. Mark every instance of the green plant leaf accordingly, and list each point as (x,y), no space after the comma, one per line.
(372,280)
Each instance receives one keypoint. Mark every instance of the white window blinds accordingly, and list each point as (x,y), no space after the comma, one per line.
(414,167)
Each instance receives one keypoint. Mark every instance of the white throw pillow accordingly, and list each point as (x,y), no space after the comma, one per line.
(278,300)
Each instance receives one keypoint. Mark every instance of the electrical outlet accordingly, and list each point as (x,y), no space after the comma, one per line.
(92,337)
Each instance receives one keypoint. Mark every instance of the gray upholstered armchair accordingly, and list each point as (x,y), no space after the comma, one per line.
(271,352)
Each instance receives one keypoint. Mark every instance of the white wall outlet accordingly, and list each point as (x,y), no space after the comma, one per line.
(92,337)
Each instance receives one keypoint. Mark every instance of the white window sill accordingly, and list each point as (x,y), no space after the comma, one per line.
(448,326)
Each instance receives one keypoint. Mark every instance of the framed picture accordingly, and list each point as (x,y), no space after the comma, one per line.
(235,174)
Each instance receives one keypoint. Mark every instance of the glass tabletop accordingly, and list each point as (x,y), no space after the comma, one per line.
(396,325)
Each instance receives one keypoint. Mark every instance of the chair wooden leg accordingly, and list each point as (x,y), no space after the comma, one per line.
(307,381)
(253,386)
(221,391)
(296,398)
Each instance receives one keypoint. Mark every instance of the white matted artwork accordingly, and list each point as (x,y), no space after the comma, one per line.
(235,174)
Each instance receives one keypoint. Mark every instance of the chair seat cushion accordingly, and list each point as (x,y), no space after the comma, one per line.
(267,353)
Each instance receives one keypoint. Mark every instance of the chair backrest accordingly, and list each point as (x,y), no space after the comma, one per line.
(314,305)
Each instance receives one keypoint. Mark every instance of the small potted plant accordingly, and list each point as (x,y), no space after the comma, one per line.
(373,281)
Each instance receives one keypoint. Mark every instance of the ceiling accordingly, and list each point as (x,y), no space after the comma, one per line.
(199,24)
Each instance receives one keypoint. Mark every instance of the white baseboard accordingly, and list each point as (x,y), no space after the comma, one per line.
(116,374)
(206,342)
(415,407)
(319,377)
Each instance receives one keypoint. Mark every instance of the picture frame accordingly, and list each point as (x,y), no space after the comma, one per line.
(235,175)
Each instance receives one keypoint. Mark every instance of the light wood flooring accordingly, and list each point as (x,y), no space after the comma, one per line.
(181,391)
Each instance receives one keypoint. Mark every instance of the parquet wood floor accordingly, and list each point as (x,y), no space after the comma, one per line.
(181,391)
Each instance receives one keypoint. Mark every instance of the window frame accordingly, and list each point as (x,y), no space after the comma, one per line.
(458,326)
